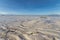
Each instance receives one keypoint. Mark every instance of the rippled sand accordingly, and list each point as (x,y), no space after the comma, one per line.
(29,28)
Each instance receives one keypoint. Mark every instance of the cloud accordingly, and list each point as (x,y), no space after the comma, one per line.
(9,13)
(3,13)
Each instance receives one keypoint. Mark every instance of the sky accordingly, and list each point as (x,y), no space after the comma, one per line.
(30,7)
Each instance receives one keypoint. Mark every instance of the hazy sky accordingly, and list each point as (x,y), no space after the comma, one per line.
(30,7)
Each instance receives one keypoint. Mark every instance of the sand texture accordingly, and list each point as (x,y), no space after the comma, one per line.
(29,27)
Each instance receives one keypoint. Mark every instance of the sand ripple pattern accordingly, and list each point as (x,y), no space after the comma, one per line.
(29,28)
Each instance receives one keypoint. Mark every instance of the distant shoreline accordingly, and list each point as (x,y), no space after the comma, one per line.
(32,15)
